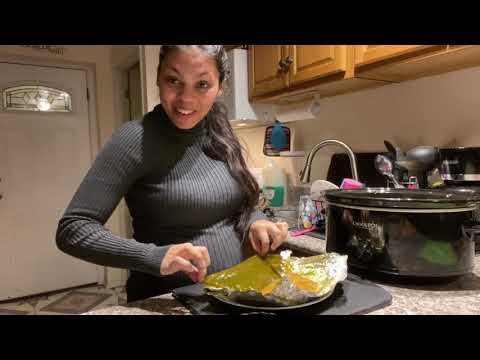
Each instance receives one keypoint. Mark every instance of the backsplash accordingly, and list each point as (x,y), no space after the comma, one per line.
(441,110)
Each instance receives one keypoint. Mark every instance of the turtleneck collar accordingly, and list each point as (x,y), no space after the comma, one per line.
(185,136)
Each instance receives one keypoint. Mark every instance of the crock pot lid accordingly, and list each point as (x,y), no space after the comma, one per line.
(460,148)
(404,198)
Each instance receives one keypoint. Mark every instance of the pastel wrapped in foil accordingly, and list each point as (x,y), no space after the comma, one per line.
(280,279)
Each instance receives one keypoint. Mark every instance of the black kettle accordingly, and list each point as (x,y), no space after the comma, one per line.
(419,162)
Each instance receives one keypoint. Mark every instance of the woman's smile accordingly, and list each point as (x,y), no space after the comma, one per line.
(184,112)
(183,118)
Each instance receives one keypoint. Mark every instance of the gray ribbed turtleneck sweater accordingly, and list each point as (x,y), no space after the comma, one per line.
(174,191)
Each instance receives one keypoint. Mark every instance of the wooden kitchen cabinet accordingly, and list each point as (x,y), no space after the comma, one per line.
(397,63)
(274,68)
(288,73)
(368,54)
(310,62)
(265,75)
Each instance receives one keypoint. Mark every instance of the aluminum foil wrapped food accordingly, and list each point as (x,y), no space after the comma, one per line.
(280,279)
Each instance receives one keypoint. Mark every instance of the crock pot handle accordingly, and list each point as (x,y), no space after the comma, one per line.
(472,228)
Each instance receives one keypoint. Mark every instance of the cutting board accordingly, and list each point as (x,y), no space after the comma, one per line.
(352,296)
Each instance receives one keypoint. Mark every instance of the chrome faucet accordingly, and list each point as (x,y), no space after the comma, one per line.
(305,173)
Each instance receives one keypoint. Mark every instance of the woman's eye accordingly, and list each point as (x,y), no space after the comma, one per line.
(173,81)
(203,85)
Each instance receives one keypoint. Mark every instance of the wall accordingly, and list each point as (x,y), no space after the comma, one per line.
(122,57)
(148,69)
(441,110)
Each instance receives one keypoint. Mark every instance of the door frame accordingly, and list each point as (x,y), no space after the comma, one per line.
(92,118)
(114,276)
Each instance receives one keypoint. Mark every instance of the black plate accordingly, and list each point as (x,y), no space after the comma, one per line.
(351,296)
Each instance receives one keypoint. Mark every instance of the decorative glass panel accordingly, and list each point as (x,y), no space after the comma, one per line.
(36,98)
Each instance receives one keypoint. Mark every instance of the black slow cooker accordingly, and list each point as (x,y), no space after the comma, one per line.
(419,233)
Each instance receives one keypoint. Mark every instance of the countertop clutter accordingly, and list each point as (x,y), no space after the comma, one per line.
(460,296)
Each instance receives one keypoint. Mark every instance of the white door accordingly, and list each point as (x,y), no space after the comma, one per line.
(44,155)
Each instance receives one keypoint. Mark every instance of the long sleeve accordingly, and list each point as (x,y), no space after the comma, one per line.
(81,232)
(254,216)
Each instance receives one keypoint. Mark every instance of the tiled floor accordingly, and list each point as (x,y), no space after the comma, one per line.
(75,301)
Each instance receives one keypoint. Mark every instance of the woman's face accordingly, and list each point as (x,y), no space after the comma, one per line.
(189,83)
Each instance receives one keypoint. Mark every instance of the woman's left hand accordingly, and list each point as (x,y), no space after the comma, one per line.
(265,235)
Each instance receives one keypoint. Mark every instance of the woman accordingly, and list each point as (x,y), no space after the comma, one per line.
(186,184)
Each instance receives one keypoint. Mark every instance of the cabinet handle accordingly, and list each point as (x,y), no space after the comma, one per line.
(284,64)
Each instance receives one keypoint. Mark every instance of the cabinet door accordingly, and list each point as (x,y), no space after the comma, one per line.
(264,71)
(311,62)
(367,54)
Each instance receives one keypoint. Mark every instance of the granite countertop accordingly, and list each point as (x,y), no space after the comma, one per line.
(458,297)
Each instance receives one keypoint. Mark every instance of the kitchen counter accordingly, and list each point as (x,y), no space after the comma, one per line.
(460,296)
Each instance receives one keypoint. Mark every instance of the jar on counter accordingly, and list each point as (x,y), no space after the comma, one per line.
(307,213)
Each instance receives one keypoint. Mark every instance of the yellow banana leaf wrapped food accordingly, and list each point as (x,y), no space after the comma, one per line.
(280,279)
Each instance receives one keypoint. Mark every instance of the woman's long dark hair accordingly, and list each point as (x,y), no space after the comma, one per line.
(222,143)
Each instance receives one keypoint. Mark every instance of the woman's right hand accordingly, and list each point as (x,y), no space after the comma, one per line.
(192,260)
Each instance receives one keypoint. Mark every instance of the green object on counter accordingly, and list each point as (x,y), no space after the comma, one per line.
(274,195)
(439,252)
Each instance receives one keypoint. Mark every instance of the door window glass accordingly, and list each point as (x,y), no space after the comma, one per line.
(36,98)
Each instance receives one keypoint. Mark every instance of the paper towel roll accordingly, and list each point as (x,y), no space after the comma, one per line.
(305,110)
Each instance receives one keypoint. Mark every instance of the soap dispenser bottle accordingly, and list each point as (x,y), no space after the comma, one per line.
(274,183)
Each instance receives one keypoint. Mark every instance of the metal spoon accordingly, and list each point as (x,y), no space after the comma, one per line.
(385,167)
